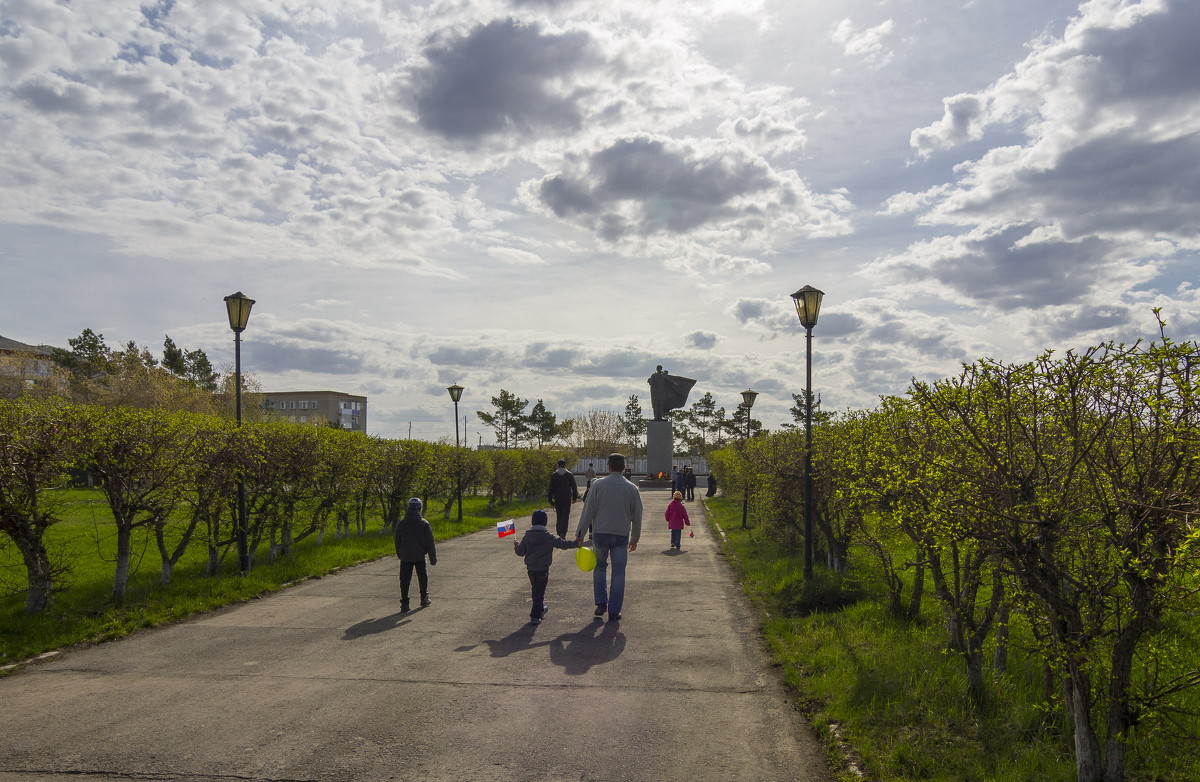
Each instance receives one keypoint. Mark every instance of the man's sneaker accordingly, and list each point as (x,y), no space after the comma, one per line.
(425,601)
(403,606)
(600,609)
(614,617)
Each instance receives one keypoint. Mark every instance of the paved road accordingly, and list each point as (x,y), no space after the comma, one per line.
(328,681)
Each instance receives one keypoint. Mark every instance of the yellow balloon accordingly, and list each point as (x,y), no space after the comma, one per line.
(585,559)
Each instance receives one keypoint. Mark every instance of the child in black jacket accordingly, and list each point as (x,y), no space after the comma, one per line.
(537,546)
(414,541)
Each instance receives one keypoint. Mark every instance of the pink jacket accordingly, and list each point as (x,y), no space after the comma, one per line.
(676,515)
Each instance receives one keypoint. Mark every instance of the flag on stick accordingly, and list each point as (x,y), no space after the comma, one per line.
(506,527)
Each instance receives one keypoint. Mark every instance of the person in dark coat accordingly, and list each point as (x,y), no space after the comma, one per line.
(712,486)
(414,541)
(537,546)
(562,493)
(689,483)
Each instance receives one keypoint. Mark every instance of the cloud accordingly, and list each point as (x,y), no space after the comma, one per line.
(500,78)
(643,186)
(704,340)
(1101,190)
(866,44)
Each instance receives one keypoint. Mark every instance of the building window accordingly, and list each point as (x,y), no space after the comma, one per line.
(304,404)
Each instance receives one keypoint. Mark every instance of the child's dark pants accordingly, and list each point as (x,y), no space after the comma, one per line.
(538,580)
(406,571)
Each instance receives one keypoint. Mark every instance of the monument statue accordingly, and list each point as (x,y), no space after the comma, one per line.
(668,392)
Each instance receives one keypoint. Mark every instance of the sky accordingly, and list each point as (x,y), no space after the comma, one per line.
(553,197)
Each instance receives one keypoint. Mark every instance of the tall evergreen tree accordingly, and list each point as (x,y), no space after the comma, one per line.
(508,422)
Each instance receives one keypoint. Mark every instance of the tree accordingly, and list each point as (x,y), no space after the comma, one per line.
(633,421)
(1084,474)
(543,426)
(140,457)
(598,432)
(191,366)
(39,443)
(508,422)
(736,426)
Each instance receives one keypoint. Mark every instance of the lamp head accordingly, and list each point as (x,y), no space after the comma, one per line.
(455,392)
(748,397)
(808,305)
(238,306)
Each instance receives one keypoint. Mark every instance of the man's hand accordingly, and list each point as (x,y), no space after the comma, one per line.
(633,547)
(578,541)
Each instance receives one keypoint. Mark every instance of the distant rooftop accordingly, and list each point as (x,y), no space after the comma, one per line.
(12,346)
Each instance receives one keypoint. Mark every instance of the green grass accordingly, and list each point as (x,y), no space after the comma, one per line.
(84,612)
(894,696)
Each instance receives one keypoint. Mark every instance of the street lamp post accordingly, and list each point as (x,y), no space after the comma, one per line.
(808,307)
(238,307)
(748,397)
(456,394)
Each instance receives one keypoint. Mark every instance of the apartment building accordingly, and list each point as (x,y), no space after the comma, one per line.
(21,366)
(345,411)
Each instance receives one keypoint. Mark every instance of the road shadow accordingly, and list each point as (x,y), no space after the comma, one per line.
(577,653)
(372,626)
(674,552)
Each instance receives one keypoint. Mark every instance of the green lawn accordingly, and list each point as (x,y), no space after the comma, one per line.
(898,700)
(85,541)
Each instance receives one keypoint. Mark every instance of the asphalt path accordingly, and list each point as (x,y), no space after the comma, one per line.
(328,681)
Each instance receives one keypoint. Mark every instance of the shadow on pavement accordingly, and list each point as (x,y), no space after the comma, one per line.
(596,644)
(372,626)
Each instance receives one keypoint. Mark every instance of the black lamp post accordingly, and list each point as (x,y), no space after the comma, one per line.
(748,397)
(808,307)
(238,307)
(456,394)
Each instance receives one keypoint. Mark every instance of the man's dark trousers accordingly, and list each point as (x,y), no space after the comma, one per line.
(562,515)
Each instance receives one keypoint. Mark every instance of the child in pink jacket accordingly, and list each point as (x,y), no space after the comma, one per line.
(676,516)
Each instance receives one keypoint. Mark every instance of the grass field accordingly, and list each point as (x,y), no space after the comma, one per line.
(898,700)
(85,541)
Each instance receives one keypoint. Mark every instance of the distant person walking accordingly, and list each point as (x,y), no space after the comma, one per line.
(677,479)
(590,475)
(712,486)
(614,512)
(677,518)
(689,483)
(414,541)
(537,546)
(562,493)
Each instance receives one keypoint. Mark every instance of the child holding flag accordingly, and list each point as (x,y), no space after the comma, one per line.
(677,517)
(537,546)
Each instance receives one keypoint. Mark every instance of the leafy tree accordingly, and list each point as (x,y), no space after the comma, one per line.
(40,442)
(1085,472)
(140,458)
(508,420)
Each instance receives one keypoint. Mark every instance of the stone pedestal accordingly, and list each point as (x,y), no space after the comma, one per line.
(660,447)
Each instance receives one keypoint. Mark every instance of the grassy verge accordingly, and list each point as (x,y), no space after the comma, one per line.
(84,612)
(888,698)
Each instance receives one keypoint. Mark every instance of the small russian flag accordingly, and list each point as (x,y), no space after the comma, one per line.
(507,527)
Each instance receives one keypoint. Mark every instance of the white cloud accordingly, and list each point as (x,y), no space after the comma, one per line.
(866,44)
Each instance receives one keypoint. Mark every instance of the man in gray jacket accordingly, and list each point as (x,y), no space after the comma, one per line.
(613,510)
